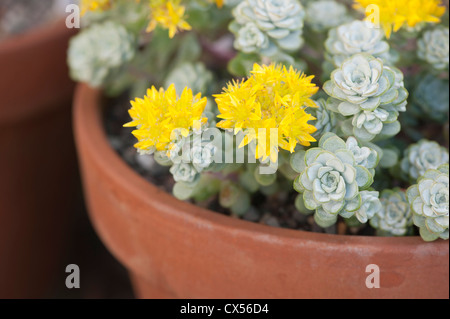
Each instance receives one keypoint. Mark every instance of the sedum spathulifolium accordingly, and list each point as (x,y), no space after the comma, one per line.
(266,27)
(433,48)
(431,98)
(325,120)
(369,95)
(332,179)
(356,37)
(323,15)
(429,200)
(395,216)
(422,156)
(97,51)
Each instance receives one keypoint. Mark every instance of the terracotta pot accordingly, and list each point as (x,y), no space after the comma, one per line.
(37,160)
(173,249)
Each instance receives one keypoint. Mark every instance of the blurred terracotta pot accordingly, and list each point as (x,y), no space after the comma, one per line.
(173,249)
(37,160)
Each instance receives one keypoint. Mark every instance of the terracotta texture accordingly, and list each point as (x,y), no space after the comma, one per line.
(38,175)
(173,249)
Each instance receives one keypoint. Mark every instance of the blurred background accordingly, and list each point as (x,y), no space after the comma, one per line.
(43,222)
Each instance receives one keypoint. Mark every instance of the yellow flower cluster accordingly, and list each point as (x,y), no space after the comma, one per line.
(161,113)
(168,14)
(94,5)
(272,98)
(395,14)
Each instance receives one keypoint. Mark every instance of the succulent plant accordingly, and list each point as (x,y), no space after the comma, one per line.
(370,205)
(422,156)
(189,156)
(202,154)
(395,216)
(193,75)
(429,200)
(433,48)
(431,97)
(325,121)
(98,50)
(369,94)
(250,39)
(364,156)
(330,179)
(355,37)
(325,14)
(279,22)
(184,172)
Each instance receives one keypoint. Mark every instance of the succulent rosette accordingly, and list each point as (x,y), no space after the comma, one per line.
(330,180)
(421,157)
(325,14)
(395,216)
(268,26)
(433,48)
(370,95)
(325,121)
(99,50)
(353,38)
(370,205)
(429,200)
(431,98)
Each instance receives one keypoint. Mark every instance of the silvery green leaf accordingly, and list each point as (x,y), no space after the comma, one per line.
(183,191)
(309,201)
(324,219)
(390,158)
(300,206)
(334,144)
(297,161)
(363,177)
(427,235)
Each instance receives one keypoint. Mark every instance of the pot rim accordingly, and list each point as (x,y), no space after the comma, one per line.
(89,128)
(34,36)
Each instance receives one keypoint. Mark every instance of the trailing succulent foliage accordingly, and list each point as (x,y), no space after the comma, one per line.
(331,179)
(395,216)
(433,48)
(429,200)
(370,95)
(356,37)
(265,27)
(193,75)
(98,51)
(431,98)
(422,156)
(325,14)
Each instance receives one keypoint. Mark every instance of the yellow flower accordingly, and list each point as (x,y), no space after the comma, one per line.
(162,113)
(272,98)
(219,3)
(94,5)
(168,14)
(395,14)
